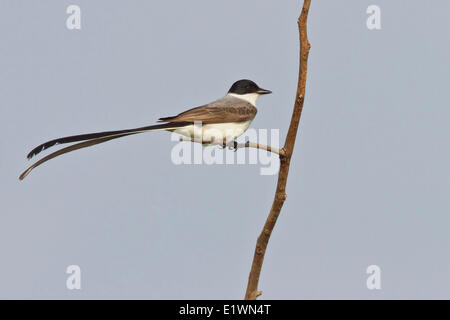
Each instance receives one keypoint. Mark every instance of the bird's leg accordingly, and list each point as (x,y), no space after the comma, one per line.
(223,145)
(233,145)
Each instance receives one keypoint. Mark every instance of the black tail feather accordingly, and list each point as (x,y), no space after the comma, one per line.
(100,138)
(76,146)
(89,136)
(166,119)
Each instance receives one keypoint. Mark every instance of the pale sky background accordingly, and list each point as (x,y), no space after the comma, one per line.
(369,180)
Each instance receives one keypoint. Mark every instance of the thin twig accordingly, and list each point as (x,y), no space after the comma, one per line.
(247,144)
(280,195)
(255,145)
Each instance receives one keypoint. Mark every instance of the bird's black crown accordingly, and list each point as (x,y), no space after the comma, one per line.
(246,86)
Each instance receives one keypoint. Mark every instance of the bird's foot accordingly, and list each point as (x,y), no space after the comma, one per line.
(233,145)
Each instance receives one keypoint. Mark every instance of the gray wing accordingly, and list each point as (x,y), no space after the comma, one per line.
(226,109)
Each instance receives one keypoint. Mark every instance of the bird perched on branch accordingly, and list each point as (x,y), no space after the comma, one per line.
(219,122)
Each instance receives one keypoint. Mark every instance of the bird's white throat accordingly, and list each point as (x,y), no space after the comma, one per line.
(249,97)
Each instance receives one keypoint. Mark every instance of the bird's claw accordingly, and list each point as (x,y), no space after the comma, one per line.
(233,146)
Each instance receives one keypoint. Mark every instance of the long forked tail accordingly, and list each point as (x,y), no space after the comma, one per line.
(92,139)
(89,136)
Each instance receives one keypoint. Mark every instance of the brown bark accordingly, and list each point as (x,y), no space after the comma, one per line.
(285,159)
(247,144)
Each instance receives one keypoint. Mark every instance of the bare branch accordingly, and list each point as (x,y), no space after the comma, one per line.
(255,145)
(248,144)
(280,195)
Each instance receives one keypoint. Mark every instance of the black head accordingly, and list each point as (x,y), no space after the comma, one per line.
(247,86)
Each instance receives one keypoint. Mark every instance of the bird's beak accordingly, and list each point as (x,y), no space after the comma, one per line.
(263,91)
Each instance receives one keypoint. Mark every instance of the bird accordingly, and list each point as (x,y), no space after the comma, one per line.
(219,122)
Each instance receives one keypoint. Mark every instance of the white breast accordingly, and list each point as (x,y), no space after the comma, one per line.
(215,132)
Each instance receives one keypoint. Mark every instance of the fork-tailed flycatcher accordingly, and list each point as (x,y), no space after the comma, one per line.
(214,123)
